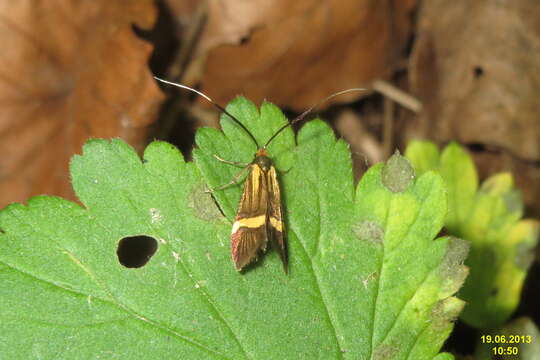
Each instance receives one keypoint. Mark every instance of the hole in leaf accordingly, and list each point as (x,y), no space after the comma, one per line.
(135,251)
(443,232)
(478,72)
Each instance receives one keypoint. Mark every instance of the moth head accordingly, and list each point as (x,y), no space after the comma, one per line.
(262,159)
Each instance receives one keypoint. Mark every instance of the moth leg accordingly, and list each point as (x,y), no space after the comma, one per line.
(235,163)
(284,171)
(234,181)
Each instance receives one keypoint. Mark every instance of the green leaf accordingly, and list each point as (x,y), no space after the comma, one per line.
(502,251)
(367,279)
(501,244)
(424,155)
(459,173)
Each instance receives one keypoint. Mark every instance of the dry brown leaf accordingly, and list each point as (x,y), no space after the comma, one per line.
(296,53)
(70,70)
(477,70)
(475,67)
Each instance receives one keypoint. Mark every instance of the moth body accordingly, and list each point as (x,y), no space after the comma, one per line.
(259,217)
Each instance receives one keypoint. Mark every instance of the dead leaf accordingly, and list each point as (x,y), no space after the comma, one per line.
(70,70)
(296,53)
(482,84)
(475,67)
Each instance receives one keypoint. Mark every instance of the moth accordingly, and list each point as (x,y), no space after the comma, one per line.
(259,218)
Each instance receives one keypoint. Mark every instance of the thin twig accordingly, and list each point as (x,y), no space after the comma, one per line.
(388,127)
(401,97)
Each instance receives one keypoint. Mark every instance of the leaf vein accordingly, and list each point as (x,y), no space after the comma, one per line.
(321,296)
(380,271)
(204,294)
(112,300)
(411,226)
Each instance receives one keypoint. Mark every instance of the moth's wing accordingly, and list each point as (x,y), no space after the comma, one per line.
(276,228)
(249,232)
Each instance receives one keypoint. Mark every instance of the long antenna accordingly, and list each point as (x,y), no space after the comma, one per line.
(219,107)
(308,111)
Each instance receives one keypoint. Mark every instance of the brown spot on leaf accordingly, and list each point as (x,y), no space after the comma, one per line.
(369,231)
(455,255)
(452,270)
(525,249)
(203,204)
(445,311)
(397,173)
(384,352)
